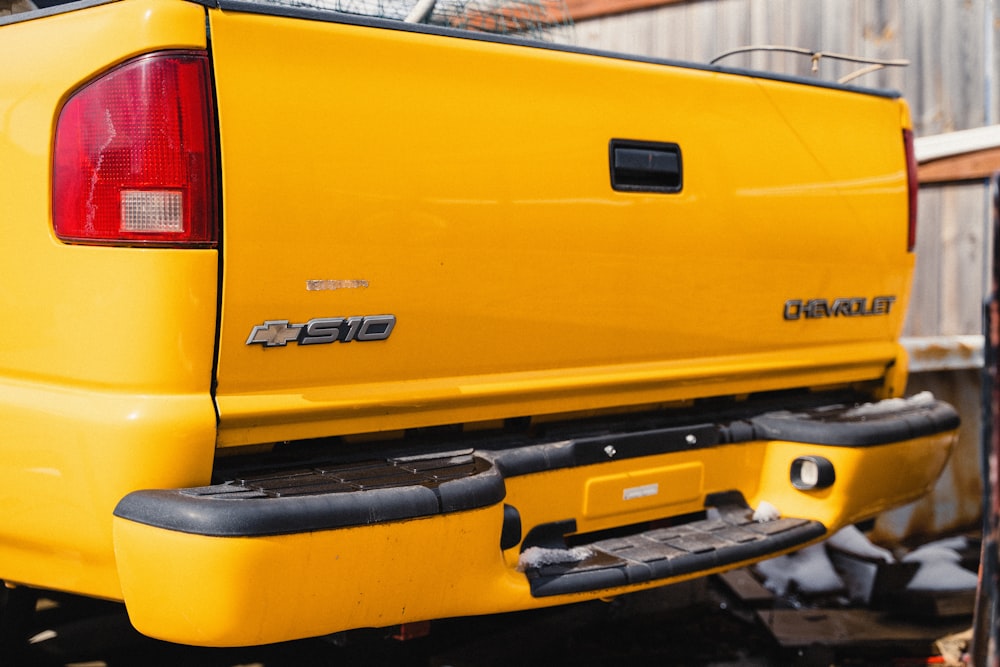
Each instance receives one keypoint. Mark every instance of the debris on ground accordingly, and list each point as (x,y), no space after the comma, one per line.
(850,597)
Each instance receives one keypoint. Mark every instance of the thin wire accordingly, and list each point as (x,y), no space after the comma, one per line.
(860,72)
(815,55)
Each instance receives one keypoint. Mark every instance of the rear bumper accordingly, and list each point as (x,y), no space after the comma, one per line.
(324,547)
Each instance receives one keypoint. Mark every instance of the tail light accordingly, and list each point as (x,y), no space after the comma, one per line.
(134,160)
(912,186)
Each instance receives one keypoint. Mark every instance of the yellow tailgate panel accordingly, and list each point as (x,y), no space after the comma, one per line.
(464,188)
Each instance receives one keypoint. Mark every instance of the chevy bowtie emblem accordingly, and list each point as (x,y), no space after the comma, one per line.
(279,333)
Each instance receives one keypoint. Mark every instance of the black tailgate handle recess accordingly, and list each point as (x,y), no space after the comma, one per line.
(645,166)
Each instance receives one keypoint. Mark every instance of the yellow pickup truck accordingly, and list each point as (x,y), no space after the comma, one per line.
(335,322)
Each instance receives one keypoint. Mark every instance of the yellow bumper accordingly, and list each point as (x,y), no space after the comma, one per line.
(305,552)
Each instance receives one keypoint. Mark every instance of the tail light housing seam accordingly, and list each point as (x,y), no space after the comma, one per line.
(912,188)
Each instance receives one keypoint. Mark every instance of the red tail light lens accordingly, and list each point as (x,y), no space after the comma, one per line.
(913,187)
(134,159)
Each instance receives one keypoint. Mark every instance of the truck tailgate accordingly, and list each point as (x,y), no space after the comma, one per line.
(423,229)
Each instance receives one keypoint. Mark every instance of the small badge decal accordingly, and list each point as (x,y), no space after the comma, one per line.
(320,330)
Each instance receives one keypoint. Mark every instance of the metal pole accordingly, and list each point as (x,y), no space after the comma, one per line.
(985,650)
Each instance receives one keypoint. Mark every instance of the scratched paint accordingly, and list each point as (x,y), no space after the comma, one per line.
(329,285)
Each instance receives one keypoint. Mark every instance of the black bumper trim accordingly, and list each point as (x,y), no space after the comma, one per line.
(322,497)
(859,426)
(834,425)
(315,495)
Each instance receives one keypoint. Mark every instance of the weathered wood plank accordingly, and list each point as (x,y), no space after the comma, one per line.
(978,165)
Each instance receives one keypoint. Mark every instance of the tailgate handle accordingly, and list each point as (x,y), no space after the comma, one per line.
(645,166)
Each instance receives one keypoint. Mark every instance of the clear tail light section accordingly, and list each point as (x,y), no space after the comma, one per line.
(913,188)
(135,158)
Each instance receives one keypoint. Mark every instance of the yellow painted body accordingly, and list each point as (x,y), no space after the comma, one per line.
(105,388)
(463,187)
